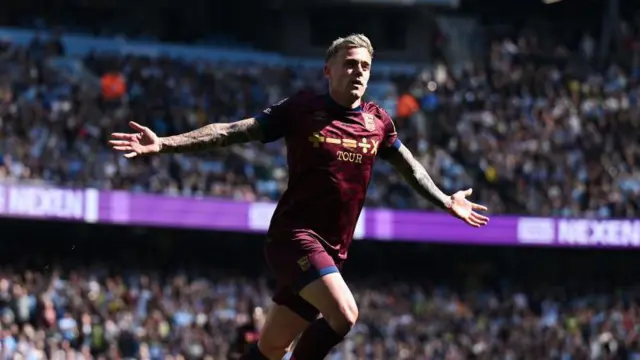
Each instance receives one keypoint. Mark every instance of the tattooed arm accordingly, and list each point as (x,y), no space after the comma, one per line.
(213,136)
(416,175)
(145,142)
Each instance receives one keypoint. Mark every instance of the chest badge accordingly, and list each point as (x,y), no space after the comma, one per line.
(369,122)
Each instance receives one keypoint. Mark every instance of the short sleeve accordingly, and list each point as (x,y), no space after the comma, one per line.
(390,141)
(274,120)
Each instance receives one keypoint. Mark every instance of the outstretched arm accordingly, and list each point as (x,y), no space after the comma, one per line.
(145,142)
(418,177)
(213,136)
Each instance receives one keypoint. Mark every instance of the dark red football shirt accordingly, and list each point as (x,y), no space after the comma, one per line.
(330,153)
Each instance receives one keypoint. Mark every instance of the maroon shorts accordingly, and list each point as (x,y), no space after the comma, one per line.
(296,263)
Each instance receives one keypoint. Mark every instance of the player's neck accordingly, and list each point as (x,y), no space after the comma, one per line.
(347,105)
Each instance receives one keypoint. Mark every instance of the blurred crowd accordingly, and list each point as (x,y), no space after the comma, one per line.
(562,135)
(537,127)
(54,131)
(88,313)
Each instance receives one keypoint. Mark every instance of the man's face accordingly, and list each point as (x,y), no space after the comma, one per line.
(348,72)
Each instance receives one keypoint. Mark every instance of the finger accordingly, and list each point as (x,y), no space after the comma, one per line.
(479,207)
(479,216)
(119,143)
(471,222)
(123,148)
(124,136)
(130,155)
(479,219)
(468,192)
(134,125)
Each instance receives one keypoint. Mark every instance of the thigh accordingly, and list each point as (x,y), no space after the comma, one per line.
(297,263)
(280,329)
(333,298)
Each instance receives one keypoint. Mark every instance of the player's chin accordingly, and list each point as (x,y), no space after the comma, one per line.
(357,93)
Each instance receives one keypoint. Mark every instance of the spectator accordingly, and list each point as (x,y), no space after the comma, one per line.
(532,130)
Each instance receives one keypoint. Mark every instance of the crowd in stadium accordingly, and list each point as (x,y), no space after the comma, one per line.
(562,136)
(119,293)
(145,316)
(539,121)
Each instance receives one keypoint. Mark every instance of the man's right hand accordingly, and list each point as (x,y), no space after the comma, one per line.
(142,142)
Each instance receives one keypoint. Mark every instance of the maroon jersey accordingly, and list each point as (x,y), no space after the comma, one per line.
(330,152)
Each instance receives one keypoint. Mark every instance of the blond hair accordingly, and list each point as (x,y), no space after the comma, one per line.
(351,41)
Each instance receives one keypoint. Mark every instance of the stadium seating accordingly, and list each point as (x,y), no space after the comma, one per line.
(541,140)
(541,135)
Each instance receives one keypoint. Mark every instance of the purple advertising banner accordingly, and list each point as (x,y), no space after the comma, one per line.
(48,203)
(119,207)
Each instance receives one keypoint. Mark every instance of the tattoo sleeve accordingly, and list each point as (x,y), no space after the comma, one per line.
(418,177)
(212,136)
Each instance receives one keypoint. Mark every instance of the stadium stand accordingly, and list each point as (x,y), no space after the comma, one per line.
(100,291)
(524,105)
(539,128)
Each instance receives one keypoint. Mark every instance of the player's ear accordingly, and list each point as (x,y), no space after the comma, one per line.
(325,70)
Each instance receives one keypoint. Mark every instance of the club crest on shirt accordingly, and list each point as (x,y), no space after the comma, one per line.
(304,263)
(369,122)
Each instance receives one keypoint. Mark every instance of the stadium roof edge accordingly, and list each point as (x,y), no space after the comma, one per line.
(81,44)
